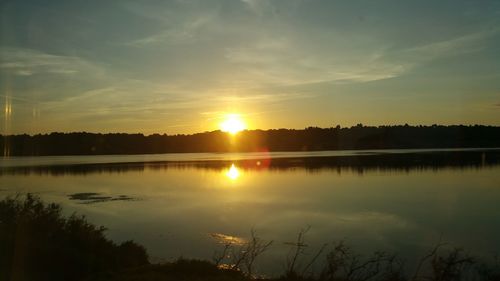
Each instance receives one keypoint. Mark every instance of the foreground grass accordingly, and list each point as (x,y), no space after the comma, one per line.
(38,243)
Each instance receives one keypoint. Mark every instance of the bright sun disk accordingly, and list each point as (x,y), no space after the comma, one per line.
(232,124)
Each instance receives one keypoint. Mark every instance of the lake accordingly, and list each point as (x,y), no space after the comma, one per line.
(401,201)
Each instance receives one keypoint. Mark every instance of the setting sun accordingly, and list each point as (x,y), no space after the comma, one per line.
(232,124)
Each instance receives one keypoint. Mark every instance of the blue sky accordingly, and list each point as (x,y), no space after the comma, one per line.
(180,66)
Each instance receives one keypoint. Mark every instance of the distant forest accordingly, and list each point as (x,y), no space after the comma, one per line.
(309,139)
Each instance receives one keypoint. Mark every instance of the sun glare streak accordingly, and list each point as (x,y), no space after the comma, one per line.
(7,124)
(232,124)
(233,173)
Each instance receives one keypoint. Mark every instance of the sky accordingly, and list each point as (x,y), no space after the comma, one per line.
(180,66)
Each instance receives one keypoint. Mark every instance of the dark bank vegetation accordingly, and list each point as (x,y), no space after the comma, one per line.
(309,139)
(38,243)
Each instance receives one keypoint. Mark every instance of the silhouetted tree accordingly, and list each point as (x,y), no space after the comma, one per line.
(309,139)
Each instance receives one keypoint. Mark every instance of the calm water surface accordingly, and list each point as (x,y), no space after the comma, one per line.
(402,205)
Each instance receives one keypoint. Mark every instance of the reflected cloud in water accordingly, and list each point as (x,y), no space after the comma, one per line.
(227,239)
(92,197)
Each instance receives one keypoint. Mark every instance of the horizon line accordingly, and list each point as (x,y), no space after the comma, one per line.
(360,125)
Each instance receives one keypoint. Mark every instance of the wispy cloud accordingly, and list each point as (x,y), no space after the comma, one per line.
(178,22)
(27,62)
(264,98)
(269,8)
(284,62)
(180,33)
(454,46)
(258,6)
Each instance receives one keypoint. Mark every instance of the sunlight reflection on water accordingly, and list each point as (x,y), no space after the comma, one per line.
(233,173)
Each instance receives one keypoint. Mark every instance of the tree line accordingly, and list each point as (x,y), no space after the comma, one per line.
(308,139)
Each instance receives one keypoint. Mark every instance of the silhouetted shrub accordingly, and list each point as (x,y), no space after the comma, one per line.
(38,243)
